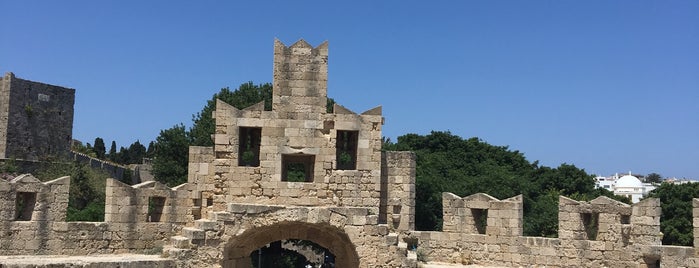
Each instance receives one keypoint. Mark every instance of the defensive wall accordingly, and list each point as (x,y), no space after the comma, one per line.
(298,171)
(115,170)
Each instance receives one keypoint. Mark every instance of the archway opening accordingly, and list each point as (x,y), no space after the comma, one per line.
(241,248)
(292,253)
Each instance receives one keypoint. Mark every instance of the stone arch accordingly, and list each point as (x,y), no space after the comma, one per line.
(237,250)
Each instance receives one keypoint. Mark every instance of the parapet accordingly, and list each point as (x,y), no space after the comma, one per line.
(482,214)
(149,201)
(26,199)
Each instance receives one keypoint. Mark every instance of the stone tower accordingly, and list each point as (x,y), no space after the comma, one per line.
(300,79)
(36,119)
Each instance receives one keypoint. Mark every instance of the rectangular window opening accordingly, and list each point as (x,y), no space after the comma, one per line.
(156,205)
(480,219)
(298,167)
(625,219)
(249,146)
(591,223)
(346,149)
(24,206)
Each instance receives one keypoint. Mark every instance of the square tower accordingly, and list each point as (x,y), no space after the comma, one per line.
(300,79)
(36,119)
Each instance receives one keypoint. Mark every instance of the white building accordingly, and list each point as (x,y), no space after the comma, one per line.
(627,185)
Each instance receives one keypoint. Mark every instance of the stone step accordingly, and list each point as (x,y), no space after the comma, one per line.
(181,242)
(194,233)
(206,225)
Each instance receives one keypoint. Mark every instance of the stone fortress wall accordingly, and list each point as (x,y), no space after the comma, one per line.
(36,119)
(301,172)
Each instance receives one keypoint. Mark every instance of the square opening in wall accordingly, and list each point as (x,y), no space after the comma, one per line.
(24,206)
(625,219)
(591,223)
(346,149)
(480,219)
(249,146)
(156,205)
(297,167)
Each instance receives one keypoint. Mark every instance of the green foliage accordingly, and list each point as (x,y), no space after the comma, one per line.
(330,105)
(448,163)
(274,256)
(9,166)
(676,219)
(99,148)
(113,151)
(296,172)
(84,149)
(171,155)
(87,189)
(29,110)
(654,178)
(248,157)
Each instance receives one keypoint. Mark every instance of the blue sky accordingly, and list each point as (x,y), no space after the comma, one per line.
(610,86)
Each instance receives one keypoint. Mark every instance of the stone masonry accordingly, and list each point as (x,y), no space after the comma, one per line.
(36,119)
(303,171)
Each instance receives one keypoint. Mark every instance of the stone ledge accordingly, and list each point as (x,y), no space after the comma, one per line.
(107,261)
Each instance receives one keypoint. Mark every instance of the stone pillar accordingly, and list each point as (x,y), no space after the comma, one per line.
(645,219)
(398,190)
(120,203)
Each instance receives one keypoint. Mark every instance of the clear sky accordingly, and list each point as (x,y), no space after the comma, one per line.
(610,86)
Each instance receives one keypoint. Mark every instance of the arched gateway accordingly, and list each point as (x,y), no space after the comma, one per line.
(237,251)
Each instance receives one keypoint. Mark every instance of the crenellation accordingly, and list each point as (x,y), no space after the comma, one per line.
(300,172)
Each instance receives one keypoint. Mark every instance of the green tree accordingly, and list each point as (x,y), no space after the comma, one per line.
(151,149)
(99,148)
(654,178)
(136,153)
(448,163)
(87,189)
(113,151)
(171,154)
(676,205)
(77,146)
(247,94)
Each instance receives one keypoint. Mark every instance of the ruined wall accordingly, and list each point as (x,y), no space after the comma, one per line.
(36,119)
(33,213)
(599,233)
(398,190)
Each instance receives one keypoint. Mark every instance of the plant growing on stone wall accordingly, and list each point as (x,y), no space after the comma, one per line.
(29,110)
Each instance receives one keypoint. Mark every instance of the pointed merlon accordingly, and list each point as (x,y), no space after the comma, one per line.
(373,111)
(339,109)
(603,200)
(25,178)
(480,197)
(301,43)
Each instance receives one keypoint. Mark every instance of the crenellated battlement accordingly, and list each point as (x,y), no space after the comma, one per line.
(300,171)
(300,79)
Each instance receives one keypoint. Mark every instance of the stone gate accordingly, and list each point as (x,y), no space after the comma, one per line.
(305,170)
